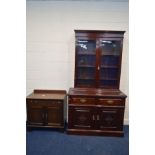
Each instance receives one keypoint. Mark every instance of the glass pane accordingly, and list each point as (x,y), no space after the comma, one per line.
(108,83)
(108,73)
(112,47)
(86,60)
(85,73)
(110,60)
(86,46)
(85,83)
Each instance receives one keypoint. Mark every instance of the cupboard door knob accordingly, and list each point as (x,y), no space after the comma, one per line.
(110,102)
(83,100)
(98,67)
(98,118)
(42,116)
(93,118)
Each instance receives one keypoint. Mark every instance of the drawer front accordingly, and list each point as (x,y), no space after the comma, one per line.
(44,102)
(111,102)
(81,100)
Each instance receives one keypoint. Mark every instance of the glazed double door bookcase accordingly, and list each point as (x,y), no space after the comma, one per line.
(98,59)
(95,104)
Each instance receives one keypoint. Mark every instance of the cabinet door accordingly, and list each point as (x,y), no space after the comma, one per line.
(54,115)
(35,115)
(110,118)
(81,117)
(85,63)
(110,50)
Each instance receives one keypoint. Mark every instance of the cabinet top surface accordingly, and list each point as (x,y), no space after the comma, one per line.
(98,31)
(96,92)
(47,94)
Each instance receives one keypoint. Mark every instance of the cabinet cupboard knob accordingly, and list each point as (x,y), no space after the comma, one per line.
(83,100)
(110,101)
(93,118)
(98,118)
(42,116)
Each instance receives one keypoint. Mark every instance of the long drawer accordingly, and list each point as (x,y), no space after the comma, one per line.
(111,102)
(82,100)
(44,102)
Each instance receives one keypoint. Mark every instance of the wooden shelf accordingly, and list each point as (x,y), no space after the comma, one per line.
(86,53)
(85,66)
(110,54)
(108,79)
(87,78)
(108,66)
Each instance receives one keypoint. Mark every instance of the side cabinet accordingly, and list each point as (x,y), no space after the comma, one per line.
(46,109)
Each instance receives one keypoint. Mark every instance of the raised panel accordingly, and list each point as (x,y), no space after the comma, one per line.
(111,118)
(80,118)
(54,116)
(35,115)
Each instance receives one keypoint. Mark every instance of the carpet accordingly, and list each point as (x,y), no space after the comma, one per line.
(52,142)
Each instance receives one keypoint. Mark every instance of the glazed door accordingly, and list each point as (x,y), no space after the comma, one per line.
(85,63)
(35,115)
(81,117)
(110,118)
(109,62)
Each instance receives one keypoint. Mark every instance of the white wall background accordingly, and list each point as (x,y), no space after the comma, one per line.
(51,43)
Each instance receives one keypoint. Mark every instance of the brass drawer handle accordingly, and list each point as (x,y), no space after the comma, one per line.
(110,102)
(83,100)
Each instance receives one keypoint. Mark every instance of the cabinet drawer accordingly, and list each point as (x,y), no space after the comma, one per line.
(81,100)
(44,102)
(112,102)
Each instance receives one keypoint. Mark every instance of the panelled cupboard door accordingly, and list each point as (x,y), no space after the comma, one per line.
(54,115)
(110,118)
(35,115)
(80,117)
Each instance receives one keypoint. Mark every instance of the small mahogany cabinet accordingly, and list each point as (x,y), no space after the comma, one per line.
(46,108)
(96,105)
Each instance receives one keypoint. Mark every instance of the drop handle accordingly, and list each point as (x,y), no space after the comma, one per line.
(98,67)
